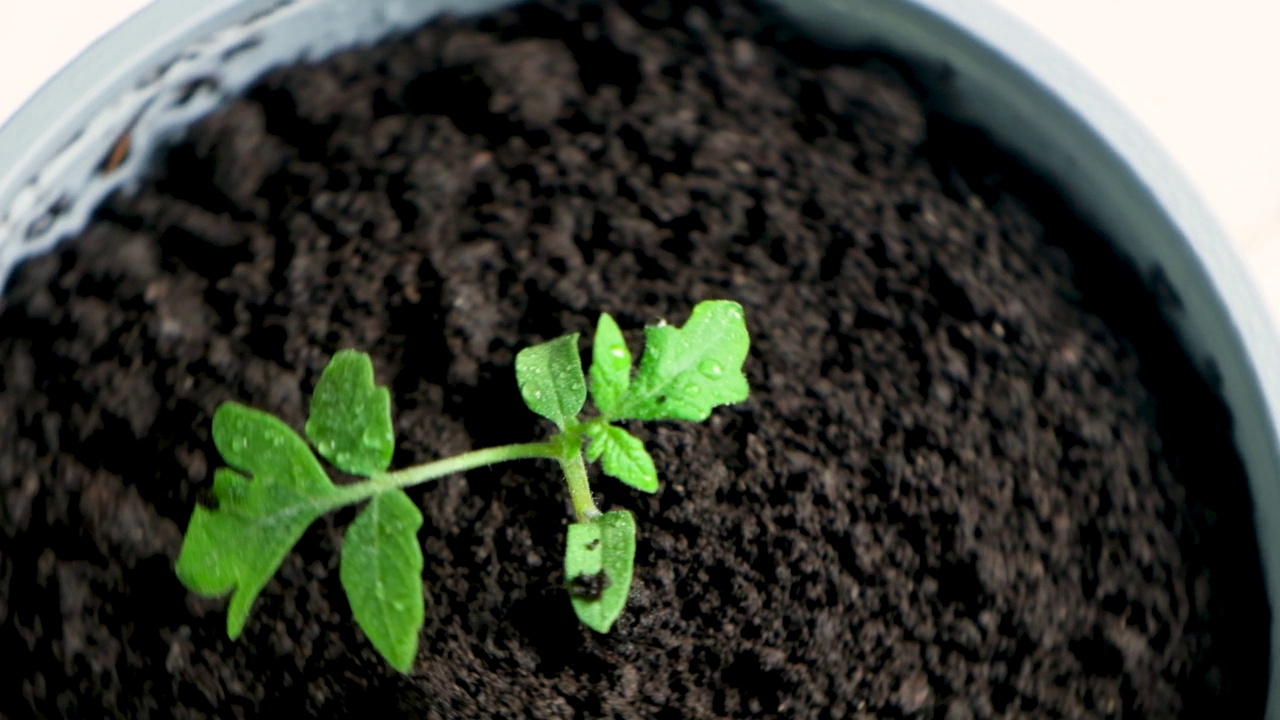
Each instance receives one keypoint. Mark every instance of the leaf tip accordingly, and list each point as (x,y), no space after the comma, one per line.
(237,613)
(402,658)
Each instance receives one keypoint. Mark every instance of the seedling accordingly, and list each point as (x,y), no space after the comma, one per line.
(276,486)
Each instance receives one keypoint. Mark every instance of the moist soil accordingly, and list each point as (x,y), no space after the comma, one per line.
(975,477)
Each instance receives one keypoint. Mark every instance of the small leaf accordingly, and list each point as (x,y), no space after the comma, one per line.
(350,419)
(238,547)
(624,457)
(610,366)
(551,380)
(381,570)
(686,372)
(599,559)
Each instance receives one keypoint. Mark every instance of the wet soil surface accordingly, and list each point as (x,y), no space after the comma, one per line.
(975,478)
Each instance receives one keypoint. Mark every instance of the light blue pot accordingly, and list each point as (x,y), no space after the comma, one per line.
(151,77)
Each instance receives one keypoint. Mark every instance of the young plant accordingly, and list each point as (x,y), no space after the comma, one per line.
(276,486)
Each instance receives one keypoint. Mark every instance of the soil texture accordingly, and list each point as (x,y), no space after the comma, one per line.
(976,478)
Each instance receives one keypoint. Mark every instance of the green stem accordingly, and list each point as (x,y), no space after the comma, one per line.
(417,474)
(565,449)
(575,474)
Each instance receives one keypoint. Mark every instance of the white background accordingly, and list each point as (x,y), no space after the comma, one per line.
(1202,80)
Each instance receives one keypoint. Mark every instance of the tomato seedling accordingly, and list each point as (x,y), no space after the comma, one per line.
(276,486)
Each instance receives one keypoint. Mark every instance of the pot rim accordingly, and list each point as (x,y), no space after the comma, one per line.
(991,70)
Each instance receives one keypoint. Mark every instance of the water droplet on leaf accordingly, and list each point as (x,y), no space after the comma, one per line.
(710,368)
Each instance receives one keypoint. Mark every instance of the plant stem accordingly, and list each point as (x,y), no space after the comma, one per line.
(417,474)
(575,474)
(565,449)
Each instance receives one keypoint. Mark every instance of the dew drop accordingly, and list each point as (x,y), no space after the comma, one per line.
(242,443)
(618,352)
(370,438)
(710,368)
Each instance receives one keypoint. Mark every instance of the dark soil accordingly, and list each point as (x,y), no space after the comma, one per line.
(975,478)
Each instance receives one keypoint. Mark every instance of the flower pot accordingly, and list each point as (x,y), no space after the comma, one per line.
(91,132)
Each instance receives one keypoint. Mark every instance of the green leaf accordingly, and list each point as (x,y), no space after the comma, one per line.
(686,372)
(350,420)
(599,558)
(610,366)
(624,456)
(381,570)
(551,380)
(238,546)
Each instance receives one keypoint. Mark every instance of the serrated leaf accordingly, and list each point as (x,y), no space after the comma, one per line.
(381,570)
(624,457)
(237,546)
(599,560)
(551,381)
(350,418)
(610,366)
(686,372)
